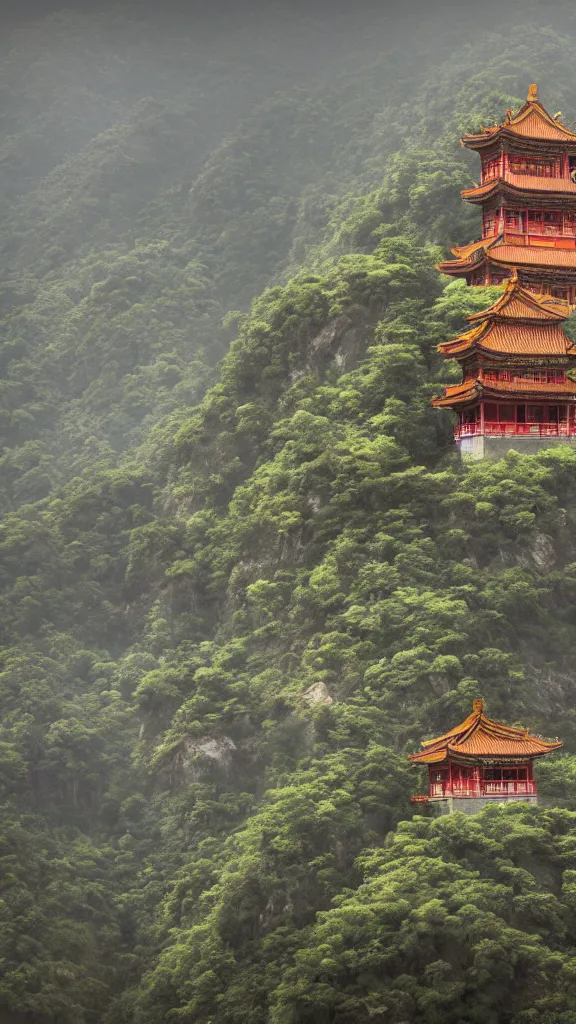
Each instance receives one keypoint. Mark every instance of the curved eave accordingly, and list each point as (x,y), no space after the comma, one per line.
(460,266)
(458,350)
(540,258)
(511,337)
(504,134)
(465,252)
(524,307)
(505,254)
(469,257)
(532,123)
(501,187)
(472,391)
(478,735)
(448,753)
(465,396)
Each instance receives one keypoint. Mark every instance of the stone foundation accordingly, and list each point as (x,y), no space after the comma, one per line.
(472,804)
(492,447)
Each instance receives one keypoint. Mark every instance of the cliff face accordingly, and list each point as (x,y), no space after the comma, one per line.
(242,574)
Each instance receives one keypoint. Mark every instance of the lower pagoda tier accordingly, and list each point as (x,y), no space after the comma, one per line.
(479,762)
(516,388)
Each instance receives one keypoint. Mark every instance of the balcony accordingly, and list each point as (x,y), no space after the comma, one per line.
(506,429)
(483,788)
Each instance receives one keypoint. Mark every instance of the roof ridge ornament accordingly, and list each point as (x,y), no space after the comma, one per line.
(478,706)
(533,93)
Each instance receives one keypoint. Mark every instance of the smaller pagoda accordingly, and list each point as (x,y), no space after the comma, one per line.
(480,762)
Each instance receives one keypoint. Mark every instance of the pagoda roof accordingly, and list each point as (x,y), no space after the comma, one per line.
(517,303)
(518,185)
(533,255)
(518,323)
(478,736)
(473,389)
(531,123)
(507,255)
(465,252)
(511,339)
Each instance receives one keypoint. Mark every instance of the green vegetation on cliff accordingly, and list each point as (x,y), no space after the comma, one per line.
(242,573)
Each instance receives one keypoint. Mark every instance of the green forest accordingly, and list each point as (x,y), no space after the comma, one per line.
(243,572)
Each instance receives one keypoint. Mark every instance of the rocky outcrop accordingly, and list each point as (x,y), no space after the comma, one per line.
(317,694)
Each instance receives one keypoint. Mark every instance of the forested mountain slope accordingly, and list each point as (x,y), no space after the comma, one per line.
(242,572)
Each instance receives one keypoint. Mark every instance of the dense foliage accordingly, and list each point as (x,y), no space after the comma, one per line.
(242,572)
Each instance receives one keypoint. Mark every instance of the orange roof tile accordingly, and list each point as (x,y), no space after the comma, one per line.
(465,251)
(469,256)
(505,254)
(519,309)
(531,122)
(519,322)
(458,394)
(473,389)
(517,303)
(534,122)
(533,255)
(520,183)
(512,338)
(478,736)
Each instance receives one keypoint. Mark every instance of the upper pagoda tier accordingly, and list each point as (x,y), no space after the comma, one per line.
(517,363)
(478,738)
(531,126)
(527,192)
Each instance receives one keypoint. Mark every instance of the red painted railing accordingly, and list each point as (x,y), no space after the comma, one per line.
(483,788)
(515,429)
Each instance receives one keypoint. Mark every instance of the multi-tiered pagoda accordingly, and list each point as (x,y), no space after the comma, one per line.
(515,359)
(481,761)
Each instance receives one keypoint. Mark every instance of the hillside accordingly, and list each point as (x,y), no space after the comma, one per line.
(242,572)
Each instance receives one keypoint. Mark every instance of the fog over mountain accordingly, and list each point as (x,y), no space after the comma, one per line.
(243,572)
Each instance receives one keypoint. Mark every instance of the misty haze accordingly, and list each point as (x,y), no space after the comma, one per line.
(287,542)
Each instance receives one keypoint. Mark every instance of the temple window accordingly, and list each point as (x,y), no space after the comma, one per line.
(538,166)
(549,223)
(538,376)
(514,220)
(489,223)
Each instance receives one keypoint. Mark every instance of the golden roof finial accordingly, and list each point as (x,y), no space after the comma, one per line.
(533,93)
(478,705)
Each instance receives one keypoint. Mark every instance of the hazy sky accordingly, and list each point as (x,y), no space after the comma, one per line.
(401,11)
